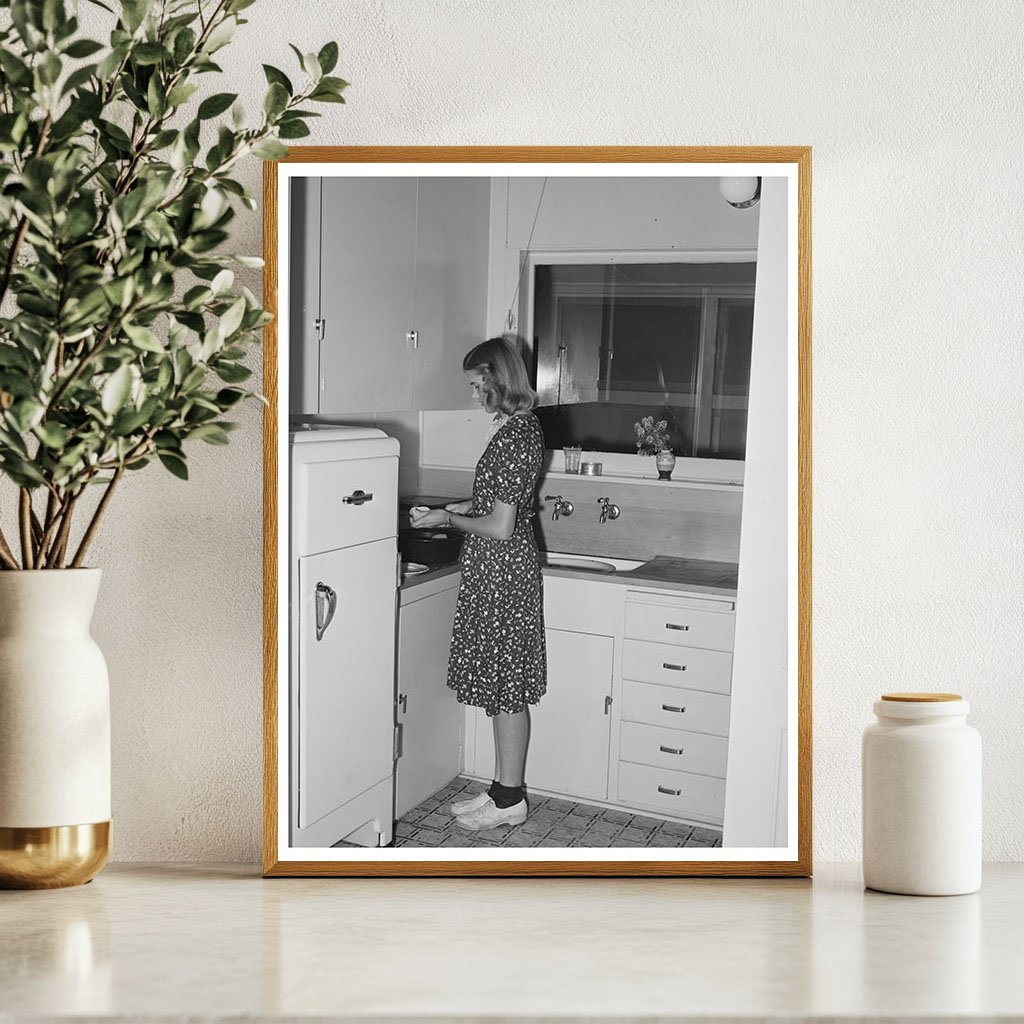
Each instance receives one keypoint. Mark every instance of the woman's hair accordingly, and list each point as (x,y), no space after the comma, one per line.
(505,384)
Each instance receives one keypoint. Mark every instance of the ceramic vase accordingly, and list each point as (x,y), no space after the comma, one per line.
(54,731)
(665,460)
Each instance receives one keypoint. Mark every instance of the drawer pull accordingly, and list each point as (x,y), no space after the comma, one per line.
(671,707)
(671,750)
(670,792)
(673,625)
(357,498)
(675,668)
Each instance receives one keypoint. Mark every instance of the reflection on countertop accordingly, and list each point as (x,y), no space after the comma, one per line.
(667,572)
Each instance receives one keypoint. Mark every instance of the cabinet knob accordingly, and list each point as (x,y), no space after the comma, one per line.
(670,792)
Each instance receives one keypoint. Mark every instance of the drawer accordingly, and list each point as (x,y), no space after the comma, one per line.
(326,521)
(680,623)
(691,667)
(679,793)
(674,749)
(675,708)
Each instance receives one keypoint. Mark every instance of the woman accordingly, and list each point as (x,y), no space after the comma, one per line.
(498,659)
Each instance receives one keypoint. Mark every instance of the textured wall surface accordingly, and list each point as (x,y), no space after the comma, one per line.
(913,111)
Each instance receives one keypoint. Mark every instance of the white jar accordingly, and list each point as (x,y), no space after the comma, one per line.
(921,790)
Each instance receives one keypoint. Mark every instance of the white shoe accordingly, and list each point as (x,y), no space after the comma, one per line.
(491,815)
(468,806)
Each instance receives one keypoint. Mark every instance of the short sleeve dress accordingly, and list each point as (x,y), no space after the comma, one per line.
(498,660)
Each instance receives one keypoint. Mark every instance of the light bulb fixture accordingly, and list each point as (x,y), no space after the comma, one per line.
(740,193)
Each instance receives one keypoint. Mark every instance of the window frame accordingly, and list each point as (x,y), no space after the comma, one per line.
(724,470)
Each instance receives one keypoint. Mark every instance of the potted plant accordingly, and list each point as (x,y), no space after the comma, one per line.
(652,438)
(122,339)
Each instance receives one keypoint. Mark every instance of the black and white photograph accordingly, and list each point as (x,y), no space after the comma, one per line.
(537,515)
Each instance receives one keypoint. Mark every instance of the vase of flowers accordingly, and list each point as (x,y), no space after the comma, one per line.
(123,341)
(652,438)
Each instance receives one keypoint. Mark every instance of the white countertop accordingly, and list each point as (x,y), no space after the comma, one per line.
(181,940)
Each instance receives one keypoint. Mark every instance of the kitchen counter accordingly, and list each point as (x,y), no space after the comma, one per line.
(685,575)
(179,942)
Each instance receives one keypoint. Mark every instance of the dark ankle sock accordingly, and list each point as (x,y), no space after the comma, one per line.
(505,796)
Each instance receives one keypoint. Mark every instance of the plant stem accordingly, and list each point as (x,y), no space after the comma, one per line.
(25,520)
(6,554)
(56,556)
(101,508)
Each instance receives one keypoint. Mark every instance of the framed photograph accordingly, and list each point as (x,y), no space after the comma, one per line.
(537,511)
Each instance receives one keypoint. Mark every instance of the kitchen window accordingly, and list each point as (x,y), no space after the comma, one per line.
(617,338)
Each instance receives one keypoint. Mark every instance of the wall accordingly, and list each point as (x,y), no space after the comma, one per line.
(915,123)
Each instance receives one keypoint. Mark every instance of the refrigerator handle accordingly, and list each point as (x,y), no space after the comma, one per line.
(326,605)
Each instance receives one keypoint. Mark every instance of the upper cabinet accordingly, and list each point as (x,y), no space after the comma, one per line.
(397,268)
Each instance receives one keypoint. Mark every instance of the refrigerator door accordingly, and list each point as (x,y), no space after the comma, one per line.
(343,501)
(346,670)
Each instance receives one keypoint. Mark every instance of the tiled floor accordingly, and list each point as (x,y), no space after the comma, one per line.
(551,822)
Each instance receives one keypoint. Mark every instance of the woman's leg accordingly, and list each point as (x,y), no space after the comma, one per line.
(511,736)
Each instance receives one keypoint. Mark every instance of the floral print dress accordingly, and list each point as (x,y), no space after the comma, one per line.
(498,660)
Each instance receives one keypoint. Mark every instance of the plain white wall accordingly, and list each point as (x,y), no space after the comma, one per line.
(913,111)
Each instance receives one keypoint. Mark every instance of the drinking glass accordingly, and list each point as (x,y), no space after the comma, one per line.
(572,458)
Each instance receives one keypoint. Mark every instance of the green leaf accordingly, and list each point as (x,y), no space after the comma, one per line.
(276,100)
(49,68)
(184,44)
(274,76)
(14,68)
(116,390)
(232,319)
(128,421)
(53,435)
(25,414)
(83,48)
(156,100)
(181,94)
(175,464)
(326,96)
(328,57)
(214,105)
(211,433)
(311,66)
(269,149)
(149,53)
(335,84)
(221,35)
(144,338)
(232,373)
(293,130)
(234,6)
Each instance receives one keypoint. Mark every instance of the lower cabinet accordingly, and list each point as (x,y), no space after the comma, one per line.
(636,714)
(570,727)
(429,717)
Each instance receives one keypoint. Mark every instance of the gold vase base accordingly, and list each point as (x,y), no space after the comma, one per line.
(53,857)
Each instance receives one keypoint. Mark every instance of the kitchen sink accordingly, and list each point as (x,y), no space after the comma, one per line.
(575,562)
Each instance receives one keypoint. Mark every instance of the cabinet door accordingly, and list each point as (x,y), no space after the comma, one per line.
(450,308)
(346,678)
(569,728)
(430,716)
(369,242)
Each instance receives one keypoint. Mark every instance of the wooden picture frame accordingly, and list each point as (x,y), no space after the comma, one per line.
(793,857)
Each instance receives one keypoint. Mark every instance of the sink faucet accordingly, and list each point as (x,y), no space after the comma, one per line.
(562,507)
(608,510)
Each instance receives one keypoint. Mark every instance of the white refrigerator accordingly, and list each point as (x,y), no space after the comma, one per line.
(344,574)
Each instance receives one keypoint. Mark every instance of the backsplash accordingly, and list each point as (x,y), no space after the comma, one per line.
(698,521)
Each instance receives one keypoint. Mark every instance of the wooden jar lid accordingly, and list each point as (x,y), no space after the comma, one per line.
(920,698)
